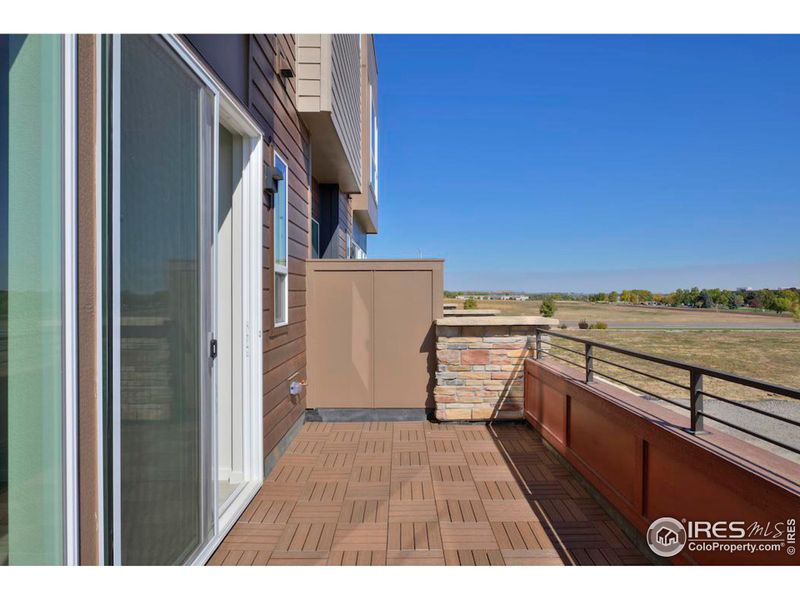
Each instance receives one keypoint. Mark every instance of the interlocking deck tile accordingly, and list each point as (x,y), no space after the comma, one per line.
(414,458)
(412,511)
(360,536)
(415,557)
(461,511)
(323,491)
(499,490)
(370,473)
(413,473)
(412,490)
(521,535)
(455,490)
(306,537)
(451,473)
(416,536)
(469,558)
(468,536)
(315,512)
(492,473)
(424,494)
(364,511)
(267,510)
(509,510)
(358,558)
(531,557)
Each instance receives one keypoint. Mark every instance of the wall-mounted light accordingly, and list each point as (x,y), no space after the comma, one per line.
(271,178)
(284,68)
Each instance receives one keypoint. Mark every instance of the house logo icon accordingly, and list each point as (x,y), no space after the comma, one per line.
(666,536)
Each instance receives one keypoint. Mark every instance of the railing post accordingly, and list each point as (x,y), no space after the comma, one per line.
(589,355)
(696,400)
(538,344)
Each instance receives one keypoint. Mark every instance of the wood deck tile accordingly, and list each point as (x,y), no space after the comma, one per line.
(416,536)
(364,511)
(473,558)
(468,536)
(315,512)
(412,473)
(451,473)
(358,558)
(411,511)
(420,493)
(412,490)
(455,490)
(360,536)
(461,511)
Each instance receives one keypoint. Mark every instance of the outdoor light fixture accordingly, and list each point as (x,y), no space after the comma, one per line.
(284,67)
(271,178)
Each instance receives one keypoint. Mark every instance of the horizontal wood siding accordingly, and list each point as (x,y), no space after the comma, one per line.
(345,95)
(273,104)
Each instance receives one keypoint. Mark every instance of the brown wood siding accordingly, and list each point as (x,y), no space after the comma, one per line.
(272,104)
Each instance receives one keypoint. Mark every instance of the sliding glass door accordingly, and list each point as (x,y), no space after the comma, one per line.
(32,390)
(165,197)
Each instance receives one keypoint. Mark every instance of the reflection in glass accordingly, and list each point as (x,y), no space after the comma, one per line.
(165,190)
(31,390)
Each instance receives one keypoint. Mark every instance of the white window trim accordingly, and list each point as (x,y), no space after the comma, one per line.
(313,220)
(70,301)
(225,106)
(281,269)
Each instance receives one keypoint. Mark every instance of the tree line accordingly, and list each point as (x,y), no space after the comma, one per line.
(779,301)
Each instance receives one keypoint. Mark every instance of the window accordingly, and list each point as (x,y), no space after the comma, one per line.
(281,259)
(373,145)
(314,238)
(35,344)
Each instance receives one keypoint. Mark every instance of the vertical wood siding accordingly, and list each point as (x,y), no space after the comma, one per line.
(273,105)
(345,95)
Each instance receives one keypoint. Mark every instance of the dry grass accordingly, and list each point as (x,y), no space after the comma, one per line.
(771,356)
(617,314)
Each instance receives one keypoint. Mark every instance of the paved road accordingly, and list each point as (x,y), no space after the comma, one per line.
(695,325)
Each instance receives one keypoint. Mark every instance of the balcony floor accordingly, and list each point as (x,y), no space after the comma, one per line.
(414,493)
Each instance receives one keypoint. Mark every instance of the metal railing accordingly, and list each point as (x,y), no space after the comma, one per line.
(697,375)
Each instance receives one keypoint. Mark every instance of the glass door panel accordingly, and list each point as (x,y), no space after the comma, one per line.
(31,300)
(165,199)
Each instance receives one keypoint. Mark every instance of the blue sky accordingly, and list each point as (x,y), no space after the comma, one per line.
(580,163)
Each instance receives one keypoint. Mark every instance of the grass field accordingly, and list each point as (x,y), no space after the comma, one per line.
(620,315)
(767,355)
(761,346)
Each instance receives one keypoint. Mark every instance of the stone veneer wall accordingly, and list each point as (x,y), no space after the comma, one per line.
(480,370)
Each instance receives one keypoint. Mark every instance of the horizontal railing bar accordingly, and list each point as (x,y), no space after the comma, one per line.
(749,432)
(644,391)
(563,348)
(608,362)
(752,409)
(738,379)
(562,358)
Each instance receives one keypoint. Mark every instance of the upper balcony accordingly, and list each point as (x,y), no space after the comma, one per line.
(328,100)
(365,204)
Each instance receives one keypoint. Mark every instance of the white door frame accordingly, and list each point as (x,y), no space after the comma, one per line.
(227,110)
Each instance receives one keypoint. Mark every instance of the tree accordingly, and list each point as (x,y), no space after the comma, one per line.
(547,308)
(470,303)
(780,304)
(613,297)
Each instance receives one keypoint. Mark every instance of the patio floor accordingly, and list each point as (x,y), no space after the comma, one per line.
(420,493)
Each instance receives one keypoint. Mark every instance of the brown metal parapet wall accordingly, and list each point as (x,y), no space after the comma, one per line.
(640,458)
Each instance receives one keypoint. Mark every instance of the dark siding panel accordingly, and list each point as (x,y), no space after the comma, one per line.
(273,105)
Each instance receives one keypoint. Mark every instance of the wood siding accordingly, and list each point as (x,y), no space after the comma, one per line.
(273,105)
(345,94)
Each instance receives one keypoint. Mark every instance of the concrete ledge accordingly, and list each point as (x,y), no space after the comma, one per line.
(494,321)
(350,415)
(471,312)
